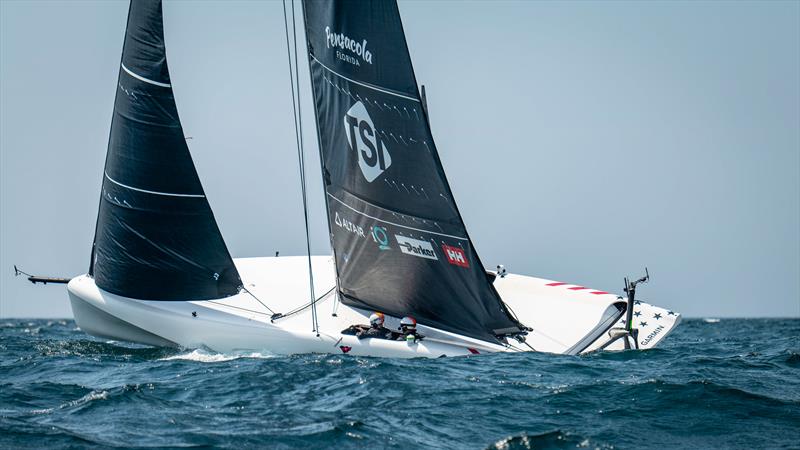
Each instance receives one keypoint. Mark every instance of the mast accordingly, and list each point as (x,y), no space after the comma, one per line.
(294,78)
(156,237)
(399,241)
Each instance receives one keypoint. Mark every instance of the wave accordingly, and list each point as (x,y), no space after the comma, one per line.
(689,396)
(88,398)
(96,348)
(793,359)
(61,387)
(710,320)
(205,356)
(550,440)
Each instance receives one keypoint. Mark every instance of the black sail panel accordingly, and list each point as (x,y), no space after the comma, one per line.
(399,242)
(156,237)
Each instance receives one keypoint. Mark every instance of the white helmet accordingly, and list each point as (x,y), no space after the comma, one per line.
(408,322)
(376,319)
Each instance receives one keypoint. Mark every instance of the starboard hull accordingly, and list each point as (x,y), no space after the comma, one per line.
(563,320)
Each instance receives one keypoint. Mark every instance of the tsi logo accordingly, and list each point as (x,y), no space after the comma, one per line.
(455,255)
(364,139)
(415,247)
(380,237)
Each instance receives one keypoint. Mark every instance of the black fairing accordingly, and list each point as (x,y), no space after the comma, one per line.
(156,237)
(398,238)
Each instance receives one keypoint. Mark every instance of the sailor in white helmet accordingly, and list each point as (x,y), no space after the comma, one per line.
(408,330)
(376,328)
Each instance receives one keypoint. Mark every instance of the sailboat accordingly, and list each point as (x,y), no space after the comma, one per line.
(160,273)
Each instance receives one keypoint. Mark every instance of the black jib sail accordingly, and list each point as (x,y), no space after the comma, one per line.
(156,237)
(399,241)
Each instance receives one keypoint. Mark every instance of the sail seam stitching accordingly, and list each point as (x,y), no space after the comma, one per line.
(146,80)
(393,223)
(384,90)
(152,192)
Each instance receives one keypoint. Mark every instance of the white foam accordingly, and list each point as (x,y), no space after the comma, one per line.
(204,356)
(94,395)
(91,396)
(709,320)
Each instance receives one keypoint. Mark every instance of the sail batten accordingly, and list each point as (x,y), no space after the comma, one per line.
(345,205)
(399,242)
(156,236)
(168,194)
(366,85)
(146,80)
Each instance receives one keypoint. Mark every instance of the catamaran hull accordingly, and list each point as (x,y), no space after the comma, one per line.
(563,321)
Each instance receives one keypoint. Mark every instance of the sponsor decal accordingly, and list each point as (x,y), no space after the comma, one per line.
(455,255)
(344,42)
(366,141)
(349,226)
(652,335)
(575,288)
(380,237)
(411,246)
(345,348)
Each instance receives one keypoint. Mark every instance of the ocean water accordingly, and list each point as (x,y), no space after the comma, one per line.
(712,384)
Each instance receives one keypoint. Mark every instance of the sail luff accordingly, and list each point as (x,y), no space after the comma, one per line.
(325,179)
(105,161)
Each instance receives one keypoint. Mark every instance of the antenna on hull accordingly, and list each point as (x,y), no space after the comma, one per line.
(630,289)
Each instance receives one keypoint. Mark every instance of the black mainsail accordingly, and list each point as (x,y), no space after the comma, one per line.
(399,242)
(156,237)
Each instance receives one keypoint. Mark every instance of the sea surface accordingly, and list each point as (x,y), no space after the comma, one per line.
(713,384)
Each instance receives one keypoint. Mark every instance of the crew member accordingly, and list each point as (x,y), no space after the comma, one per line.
(376,328)
(408,330)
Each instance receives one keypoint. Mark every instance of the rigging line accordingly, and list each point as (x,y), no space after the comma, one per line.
(303,172)
(529,346)
(258,300)
(513,314)
(307,305)
(280,316)
(511,347)
(298,130)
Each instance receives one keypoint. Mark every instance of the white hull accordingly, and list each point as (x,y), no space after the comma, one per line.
(565,319)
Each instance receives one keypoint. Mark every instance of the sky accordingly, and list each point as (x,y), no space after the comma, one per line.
(583,141)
